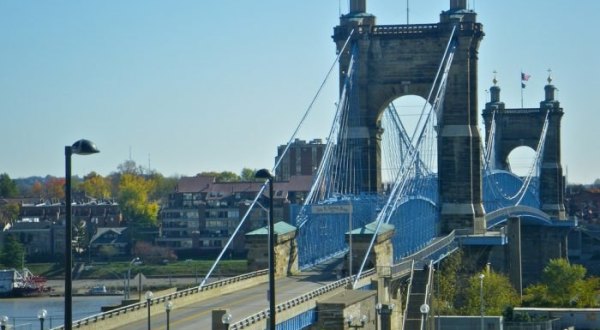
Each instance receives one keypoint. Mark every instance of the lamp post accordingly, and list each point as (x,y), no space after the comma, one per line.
(3,322)
(226,319)
(424,309)
(81,147)
(266,174)
(131,263)
(42,313)
(362,320)
(168,308)
(148,297)
(481,276)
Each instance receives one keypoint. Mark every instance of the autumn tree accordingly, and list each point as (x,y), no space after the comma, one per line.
(8,188)
(130,167)
(134,193)
(37,189)
(498,294)
(55,188)
(94,185)
(153,254)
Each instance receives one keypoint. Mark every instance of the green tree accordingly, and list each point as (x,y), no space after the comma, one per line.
(498,294)
(9,213)
(162,186)
(247,174)
(563,285)
(446,280)
(225,176)
(13,252)
(134,192)
(8,188)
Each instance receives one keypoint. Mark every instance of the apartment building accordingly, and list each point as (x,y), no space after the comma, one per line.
(202,214)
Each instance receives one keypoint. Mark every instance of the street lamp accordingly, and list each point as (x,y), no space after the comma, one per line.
(81,147)
(424,309)
(148,296)
(42,313)
(226,319)
(168,308)
(266,174)
(3,322)
(384,311)
(131,263)
(481,276)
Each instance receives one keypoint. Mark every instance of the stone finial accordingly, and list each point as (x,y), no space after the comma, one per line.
(358,6)
(458,4)
(495,81)
(549,76)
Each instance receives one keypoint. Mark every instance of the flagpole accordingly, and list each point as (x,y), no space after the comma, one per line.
(521,81)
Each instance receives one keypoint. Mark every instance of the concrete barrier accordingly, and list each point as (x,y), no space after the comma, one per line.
(120,317)
(301,304)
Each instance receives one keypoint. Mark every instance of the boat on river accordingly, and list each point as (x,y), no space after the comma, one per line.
(21,284)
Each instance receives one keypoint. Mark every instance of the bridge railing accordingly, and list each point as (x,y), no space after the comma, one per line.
(163,298)
(264,314)
(442,246)
(404,29)
(408,291)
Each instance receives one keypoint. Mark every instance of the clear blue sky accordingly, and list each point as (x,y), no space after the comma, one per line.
(192,86)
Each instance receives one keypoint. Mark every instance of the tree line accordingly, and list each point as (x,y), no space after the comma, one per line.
(459,292)
(138,191)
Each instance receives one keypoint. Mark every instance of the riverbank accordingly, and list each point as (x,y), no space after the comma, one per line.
(83,287)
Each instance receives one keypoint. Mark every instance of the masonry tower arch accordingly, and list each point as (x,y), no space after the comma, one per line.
(398,60)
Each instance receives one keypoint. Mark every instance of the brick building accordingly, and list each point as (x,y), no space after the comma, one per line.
(301,159)
(202,214)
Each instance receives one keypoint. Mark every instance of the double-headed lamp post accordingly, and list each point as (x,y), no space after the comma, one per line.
(42,313)
(81,147)
(356,323)
(266,174)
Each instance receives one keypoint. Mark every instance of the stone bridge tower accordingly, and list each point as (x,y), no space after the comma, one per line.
(523,127)
(399,60)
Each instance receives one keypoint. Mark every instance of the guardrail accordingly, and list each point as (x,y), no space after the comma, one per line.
(264,314)
(163,298)
(428,291)
(408,291)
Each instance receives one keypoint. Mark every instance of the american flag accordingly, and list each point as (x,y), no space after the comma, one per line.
(525,76)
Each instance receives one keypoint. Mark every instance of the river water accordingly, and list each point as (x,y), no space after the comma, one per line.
(22,312)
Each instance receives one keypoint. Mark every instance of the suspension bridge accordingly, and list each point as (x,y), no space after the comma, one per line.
(423,190)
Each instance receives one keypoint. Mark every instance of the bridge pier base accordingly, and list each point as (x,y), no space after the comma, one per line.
(286,253)
(351,309)
(382,252)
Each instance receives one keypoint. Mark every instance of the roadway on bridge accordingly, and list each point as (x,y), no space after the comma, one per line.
(240,304)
